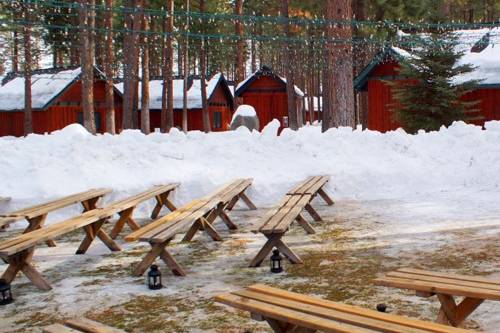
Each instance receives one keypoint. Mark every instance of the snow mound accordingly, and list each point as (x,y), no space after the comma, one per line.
(363,164)
(244,111)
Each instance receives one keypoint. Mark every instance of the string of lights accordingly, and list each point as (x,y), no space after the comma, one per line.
(253,19)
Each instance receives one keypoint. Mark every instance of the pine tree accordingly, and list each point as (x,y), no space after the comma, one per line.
(432,98)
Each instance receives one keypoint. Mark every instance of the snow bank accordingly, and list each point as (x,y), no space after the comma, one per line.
(362,164)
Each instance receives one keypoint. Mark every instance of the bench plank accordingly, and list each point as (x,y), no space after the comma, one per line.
(436,287)
(350,309)
(58,328)
(289,316)
(47,207)
(306,312)
(446,287)
(90,326)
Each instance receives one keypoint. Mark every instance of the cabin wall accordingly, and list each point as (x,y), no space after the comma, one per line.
(219,108)
(380,117)
(62,113)
(268,96)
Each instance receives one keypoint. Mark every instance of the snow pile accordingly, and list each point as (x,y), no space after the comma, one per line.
(362,164)
(245,111)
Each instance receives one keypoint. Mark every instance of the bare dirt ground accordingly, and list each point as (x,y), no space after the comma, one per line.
(357,241)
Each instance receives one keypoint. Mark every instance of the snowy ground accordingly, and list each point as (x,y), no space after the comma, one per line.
(428,201)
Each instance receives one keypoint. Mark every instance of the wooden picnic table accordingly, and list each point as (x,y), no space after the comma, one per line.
(83,325)
(197,215)
(18,251)
(36,215)
(288,312)
(277,221)
(125,208)
(446,286)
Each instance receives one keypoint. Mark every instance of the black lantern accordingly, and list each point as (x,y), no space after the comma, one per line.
(5,293)
(154,278)
(276,259)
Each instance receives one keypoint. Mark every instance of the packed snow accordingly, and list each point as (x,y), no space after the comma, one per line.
(245,111)
(363,164)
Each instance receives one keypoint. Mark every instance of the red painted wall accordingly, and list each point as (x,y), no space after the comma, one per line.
(59,115)
(380,117)
(268,96)
(219,102)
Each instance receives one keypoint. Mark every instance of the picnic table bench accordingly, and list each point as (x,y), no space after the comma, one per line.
(291,312)
(199,214)
(276,222)
(83,325)
(18,251)
(36,215)
(125,208)
(446,287)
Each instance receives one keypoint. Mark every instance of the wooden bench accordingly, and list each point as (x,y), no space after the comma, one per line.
(197,215)
(36,215)
(291,312)
(277,221)
(80,325)
(18,251)
(446,287)
(125,208)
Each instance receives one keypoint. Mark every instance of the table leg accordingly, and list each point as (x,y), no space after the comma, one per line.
(159,250)
(92,231)
(36,223)
(325,197)
(453,314)
(125,217)
(22,262)
(274,240)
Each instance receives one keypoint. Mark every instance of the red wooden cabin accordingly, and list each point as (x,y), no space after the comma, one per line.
(384,67)
(56,101)
(266,92)
(219,98)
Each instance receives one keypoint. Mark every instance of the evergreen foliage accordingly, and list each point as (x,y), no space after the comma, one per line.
(432,97)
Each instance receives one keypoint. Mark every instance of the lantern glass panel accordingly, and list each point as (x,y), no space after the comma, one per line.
(154,278)
(276,259)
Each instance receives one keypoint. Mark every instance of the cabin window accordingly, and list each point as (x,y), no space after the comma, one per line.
(97,119)
(217,119)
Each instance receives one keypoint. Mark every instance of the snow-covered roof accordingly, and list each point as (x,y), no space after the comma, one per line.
(44,88)
(263,71)
(486,62)
(193,94)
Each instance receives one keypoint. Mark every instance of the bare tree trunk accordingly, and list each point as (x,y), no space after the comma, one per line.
(139,4)
(145,121)
(293,119)
(338,86)
(28,113)
(128,65)
(240,44)
(186,73)
(15,52)
(108,68)
(203,77)
(167,107)
(87,64)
